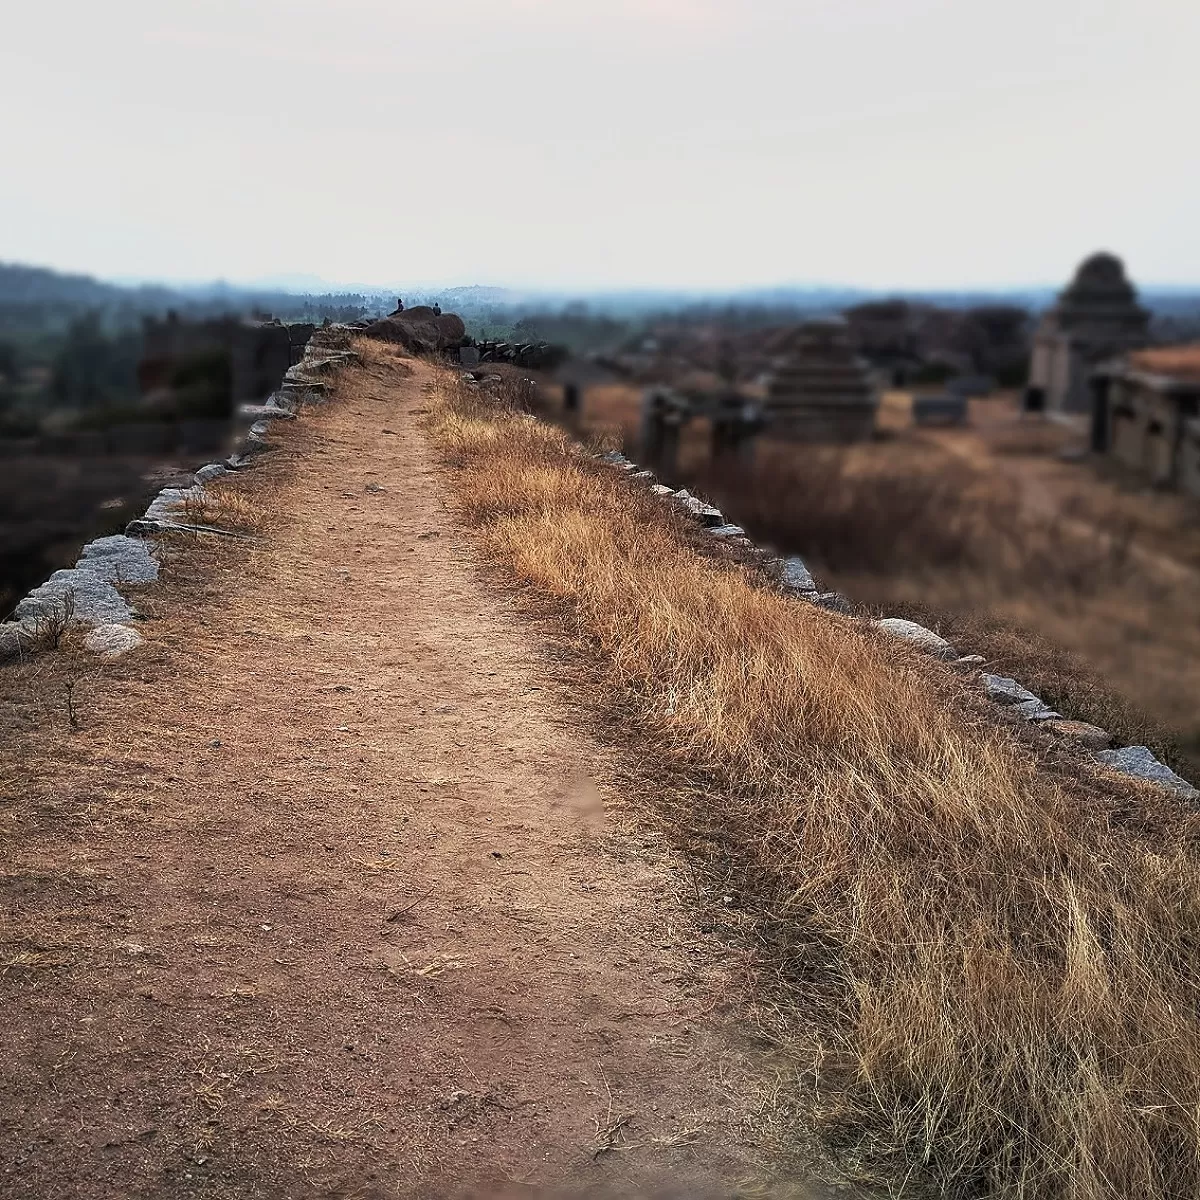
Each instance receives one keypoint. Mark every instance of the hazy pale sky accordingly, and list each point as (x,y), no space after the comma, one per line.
(583,143)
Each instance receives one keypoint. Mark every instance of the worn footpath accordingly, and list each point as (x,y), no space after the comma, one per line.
(327,893)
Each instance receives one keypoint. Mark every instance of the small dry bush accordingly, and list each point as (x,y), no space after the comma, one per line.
(222,508)
(1006,964)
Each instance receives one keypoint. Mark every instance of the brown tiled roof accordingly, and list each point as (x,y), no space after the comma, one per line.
(1178,362)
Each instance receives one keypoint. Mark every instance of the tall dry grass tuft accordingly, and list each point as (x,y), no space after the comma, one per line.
(222,508)
(1008,971)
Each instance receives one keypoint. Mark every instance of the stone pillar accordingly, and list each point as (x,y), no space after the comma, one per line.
(653,414)
(1101,385)
(668,457)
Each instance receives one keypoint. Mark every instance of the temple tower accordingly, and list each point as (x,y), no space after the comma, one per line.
(1096,317)
(820,390)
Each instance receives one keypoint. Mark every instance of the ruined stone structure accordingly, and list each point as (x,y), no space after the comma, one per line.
(1096,317)
(819,390)
(258,352)
(1146,414)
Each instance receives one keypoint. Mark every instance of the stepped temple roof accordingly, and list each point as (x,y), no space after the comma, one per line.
(820,388)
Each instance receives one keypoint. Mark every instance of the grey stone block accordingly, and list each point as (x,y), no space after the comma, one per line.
(211,471)
(167,505)
(706,514)
(111,641)
(834,601)
(265,412)
(119,559)
(795,576)
(1138,761)
(1009,692)
(968,662)
(93,601)
(919,636)
(1004,690)
(1091,737)
(727,531)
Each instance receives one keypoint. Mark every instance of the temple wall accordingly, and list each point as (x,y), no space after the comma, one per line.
(1189,459)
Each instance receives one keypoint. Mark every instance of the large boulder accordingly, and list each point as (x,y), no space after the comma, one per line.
(420,330)
(75,596)
(1139,761)
(922,638)
(119,559)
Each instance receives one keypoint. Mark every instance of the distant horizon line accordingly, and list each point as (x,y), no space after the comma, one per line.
(300,285)
(583,292)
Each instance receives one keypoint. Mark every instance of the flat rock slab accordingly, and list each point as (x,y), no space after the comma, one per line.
(119,559)
(168,504)
(91,600)
(148,526)
(211,471)
(727,531)
(1090,737)
(968,662)
(1006,691)
(706,514)
(111,641)
(834,601)
(1140,762)
(266,412)
(795,575)
(919,636)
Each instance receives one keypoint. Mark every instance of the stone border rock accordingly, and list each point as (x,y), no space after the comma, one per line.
(88,594)
(791,576)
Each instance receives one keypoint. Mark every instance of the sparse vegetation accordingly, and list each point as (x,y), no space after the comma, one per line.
(53,621)
(1001,959)
(223,508)
(1064,599)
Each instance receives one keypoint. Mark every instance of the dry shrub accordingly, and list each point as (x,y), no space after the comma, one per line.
(222,508)
(1014,968)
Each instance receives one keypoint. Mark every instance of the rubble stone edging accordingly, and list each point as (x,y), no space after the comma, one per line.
(791,576)
(89,593)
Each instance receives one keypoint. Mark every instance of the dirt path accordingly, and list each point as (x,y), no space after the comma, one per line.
(325,901)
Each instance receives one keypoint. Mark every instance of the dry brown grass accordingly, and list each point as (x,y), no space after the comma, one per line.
(1070,592)
(223,507)
(1006,965)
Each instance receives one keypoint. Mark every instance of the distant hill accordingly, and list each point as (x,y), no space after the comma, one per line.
(36,301)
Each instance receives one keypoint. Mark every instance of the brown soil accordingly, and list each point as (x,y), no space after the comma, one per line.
(328,895)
